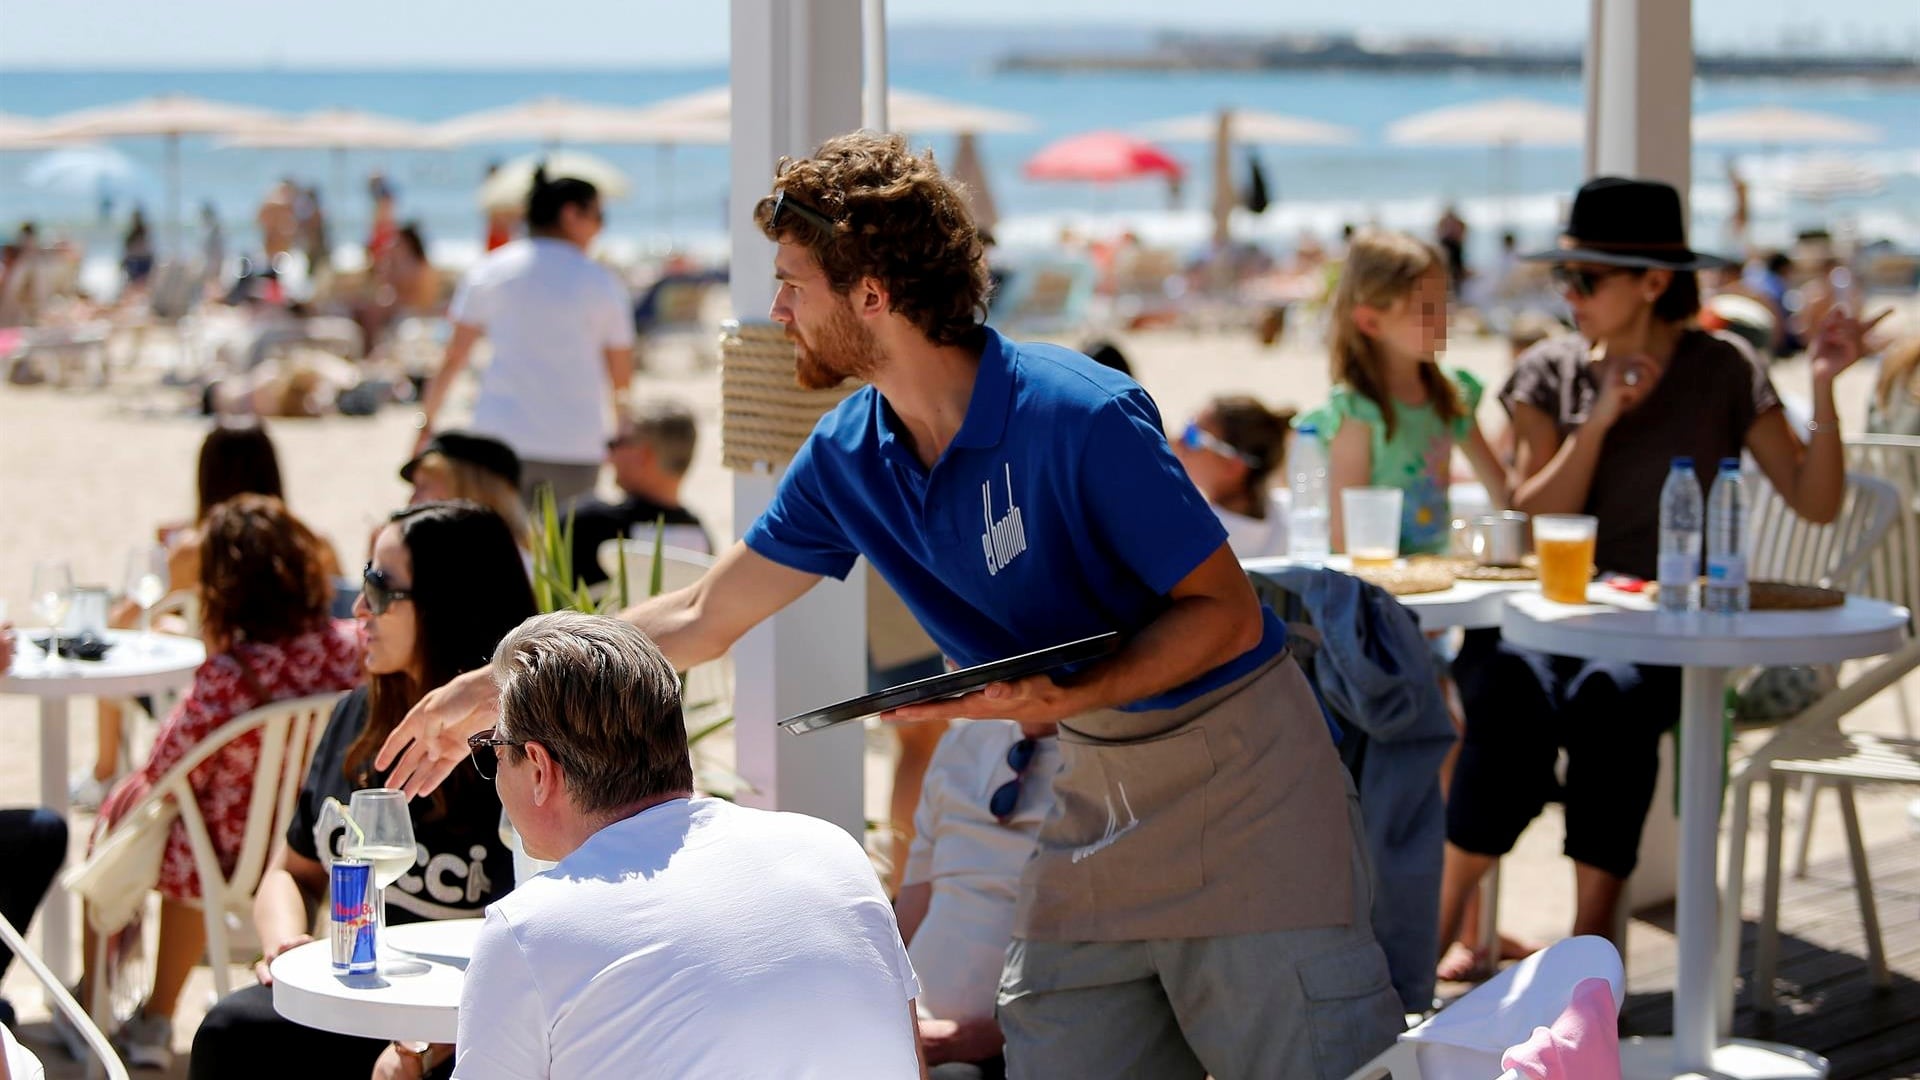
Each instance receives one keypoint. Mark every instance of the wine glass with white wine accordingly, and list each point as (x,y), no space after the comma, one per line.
(385,839)
(52,597)
(146,585)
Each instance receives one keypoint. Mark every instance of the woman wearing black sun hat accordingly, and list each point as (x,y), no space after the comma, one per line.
(1597,418)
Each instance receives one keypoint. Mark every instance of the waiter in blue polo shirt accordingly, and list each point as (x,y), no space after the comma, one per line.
(1198,902)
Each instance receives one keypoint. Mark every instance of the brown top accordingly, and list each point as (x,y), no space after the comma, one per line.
(1703,406)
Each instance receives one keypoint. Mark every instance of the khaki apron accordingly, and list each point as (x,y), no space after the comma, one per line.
(1225,815)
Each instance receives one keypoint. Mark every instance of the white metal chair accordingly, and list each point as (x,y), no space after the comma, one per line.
(64,1003)
(1465,1040)
(1812,748)
(289,730)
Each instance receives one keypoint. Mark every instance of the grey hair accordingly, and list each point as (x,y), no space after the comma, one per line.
(669,427)
(605,703)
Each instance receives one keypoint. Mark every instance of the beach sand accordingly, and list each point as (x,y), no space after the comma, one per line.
(88,473)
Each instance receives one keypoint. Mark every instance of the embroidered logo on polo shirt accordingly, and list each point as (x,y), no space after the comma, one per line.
(1006,538)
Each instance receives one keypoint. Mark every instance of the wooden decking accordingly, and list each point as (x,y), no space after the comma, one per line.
(1826,1002)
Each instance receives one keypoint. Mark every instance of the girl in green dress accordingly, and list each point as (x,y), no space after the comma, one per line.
(1394,417)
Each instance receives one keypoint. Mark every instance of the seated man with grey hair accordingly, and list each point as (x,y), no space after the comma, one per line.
(678,936)
(650,455)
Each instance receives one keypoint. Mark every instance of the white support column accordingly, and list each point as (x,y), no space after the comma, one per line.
(874,69)
(796,81)
(1640,90)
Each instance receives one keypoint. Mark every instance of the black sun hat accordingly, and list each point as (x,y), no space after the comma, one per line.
(1621,222)
(490,454)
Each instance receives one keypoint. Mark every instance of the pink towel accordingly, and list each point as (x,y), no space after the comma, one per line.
(1584,1044)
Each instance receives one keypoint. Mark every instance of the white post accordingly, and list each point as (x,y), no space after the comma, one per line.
(1640,90)
(873,110)
(796,81)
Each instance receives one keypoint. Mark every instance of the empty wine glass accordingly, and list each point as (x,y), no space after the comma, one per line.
(146,585)
(385,839)
(52,597)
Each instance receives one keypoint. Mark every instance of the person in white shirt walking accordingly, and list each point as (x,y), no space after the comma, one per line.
(562,332)
(678,936)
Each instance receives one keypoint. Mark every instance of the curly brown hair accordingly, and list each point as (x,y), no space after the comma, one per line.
(896,219)
(263,574)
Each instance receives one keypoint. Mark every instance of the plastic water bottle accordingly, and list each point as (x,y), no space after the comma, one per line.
(1680,528)
(1307,540)
(1726,592)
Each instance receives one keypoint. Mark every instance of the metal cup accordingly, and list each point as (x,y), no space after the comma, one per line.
(1499,539)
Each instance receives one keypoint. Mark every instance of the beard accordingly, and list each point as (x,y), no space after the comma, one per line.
(840,350)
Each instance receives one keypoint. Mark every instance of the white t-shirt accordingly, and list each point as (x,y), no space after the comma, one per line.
(694,939)
(973,863)
(550,313)
(1253,538)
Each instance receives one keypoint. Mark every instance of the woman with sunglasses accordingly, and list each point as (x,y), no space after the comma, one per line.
(1231,449)
(445,584)
(1597,418)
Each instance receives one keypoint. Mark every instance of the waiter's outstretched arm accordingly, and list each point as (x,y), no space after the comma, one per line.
(1214,617)
(692,625)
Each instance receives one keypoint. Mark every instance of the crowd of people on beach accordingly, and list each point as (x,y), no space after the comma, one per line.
(1159,864)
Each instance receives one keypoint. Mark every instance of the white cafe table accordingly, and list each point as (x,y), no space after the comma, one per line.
(1469,605)
(132,667)
(415,996)
(1620,627)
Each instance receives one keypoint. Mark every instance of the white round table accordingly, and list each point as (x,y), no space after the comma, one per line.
(1469,605)
(1618,626)
(131,668)
(415,996)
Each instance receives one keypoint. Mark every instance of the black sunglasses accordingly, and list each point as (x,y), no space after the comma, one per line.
(379,590)
(1583,281)
(1006,798)
(781,204)
(484,748)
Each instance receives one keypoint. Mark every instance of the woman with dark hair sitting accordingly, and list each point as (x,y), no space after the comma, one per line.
(1598,417)
(265,595)
(444,586)
(1231,449)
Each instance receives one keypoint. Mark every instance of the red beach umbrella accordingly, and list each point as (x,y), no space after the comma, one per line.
(1102,157)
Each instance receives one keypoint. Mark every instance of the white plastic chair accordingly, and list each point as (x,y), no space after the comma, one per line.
(707,696)
(289,731)
(1466,1040)
(23,1064)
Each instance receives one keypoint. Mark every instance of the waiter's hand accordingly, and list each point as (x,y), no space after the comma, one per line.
(1036,703)
(434,733)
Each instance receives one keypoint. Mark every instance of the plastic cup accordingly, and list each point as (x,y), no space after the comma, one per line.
(1564,545)
(1372,519)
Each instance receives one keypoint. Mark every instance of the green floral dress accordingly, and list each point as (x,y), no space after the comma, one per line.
(1418,459)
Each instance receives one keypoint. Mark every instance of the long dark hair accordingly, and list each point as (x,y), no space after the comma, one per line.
(236,459)
(469,588)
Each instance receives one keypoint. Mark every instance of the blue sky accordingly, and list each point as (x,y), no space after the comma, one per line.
(629,33)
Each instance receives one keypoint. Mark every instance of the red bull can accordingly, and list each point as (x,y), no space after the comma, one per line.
(353,917)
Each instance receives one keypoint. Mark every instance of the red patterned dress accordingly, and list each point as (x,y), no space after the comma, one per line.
(234,682)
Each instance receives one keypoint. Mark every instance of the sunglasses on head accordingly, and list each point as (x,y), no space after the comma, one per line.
(1196,437)
(782,203)
(1006,798)
(380,591)
(1582,281)
(484,748)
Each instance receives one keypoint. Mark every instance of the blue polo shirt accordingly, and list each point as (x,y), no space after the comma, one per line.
(1058,512)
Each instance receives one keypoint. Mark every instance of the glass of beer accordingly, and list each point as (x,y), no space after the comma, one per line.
(1564,545)
(1372,519)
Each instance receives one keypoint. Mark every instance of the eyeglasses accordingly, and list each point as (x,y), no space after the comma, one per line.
(1583,281)
(379,590)
(1196,437)
(484,748)
(781,204)
(1006,798)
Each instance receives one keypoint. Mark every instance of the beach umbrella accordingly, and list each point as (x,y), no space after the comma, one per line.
(168,115)
(335,131)
(1251,127)
(1501,124)
(96,172)
(553,121)
(969,170)
(1775,126)
(1822,178)
(512,182)
(1102,157)
(907,110)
